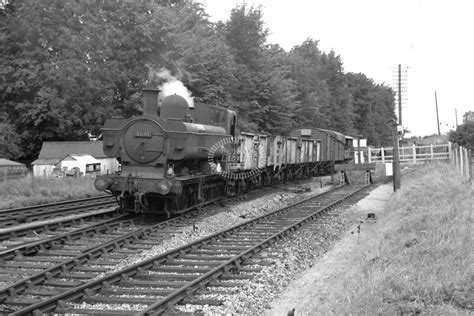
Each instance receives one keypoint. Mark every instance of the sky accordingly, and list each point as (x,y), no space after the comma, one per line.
(432,40)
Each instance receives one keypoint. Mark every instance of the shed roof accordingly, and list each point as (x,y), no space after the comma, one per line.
(8,162)
(83,158)
(45,161)
(59,150)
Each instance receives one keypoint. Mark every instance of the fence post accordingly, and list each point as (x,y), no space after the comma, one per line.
(383,154)
(470,165)
(414,154)
(369,154)
(466,163)
(431,151)
(461,160)
(450,152)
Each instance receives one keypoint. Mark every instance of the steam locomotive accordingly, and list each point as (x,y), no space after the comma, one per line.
(176,157)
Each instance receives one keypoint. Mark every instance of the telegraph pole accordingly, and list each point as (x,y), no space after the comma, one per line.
(400,95)
(456,113)
(400,88)
(396,161)
(437,116)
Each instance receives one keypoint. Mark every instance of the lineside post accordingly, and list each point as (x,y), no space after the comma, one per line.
(396,162)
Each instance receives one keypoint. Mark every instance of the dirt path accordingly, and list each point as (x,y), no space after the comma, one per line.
(311,289)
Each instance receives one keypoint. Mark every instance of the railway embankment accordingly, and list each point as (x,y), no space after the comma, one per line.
(415,256)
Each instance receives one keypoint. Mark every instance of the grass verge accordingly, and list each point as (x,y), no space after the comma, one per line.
(32,191)
(419,258)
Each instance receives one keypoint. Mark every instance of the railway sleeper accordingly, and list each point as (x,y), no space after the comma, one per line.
(102,299)
(21,302)
(51,259)
(244,243)
(153,284)
(92,269)
(59,283)
(211,251)
(110,262)
(205,301)
(138,247)
(167,276)
(224,248)
(37,292)
(89,311)
(226,284)
(182,269)
(59,253)
(135,291)
(241,276)
(26,265)
(73,275)
(193,257)
(191,263)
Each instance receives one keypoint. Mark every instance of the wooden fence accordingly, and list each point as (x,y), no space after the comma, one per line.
(459,156)
(411,154)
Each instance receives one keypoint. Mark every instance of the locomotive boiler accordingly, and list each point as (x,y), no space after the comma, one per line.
(164,154)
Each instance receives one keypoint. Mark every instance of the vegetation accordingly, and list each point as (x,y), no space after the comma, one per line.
(464,133)
(419,259)
(67,66)
(33,191)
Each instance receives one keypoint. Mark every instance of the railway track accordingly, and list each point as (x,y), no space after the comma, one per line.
(174,277)
(30,214)
(48,261)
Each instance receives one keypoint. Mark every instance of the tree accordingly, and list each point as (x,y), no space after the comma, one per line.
(312,90)
(463,135)
(67,66)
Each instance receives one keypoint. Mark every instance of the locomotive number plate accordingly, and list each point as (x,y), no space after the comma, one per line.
(139,134)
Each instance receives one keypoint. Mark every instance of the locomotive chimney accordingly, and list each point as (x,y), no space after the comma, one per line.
(150,101)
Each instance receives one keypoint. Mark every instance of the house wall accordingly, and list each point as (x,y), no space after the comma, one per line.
(42,170)
(73,164)
(109,165)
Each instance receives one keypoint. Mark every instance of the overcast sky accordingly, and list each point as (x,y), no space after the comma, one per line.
(433,40)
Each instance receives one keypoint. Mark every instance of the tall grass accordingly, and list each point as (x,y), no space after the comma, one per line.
(31,191)
(420,258)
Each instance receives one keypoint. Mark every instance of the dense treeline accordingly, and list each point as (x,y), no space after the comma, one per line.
(464,133)
(67,66)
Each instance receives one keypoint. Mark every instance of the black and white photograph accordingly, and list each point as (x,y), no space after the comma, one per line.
(236,157)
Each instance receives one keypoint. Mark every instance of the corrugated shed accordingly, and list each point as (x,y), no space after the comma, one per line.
(8,162)
(59,150)
(45,161)
(82,158)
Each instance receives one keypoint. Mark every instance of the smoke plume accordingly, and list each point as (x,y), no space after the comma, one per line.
(168,84)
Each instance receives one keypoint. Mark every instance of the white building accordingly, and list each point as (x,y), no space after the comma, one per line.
(88,156)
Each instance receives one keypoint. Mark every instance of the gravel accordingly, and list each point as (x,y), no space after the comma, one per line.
(286,259)
(289,257)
